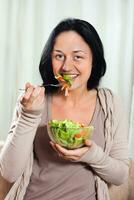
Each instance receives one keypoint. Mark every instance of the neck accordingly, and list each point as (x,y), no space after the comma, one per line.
(76,96)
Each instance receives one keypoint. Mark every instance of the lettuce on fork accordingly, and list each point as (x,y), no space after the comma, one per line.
(68,79)
(68,133)
(66,82)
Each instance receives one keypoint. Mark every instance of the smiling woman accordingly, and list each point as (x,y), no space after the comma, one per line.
(73,54)
(73,59)
(83,44)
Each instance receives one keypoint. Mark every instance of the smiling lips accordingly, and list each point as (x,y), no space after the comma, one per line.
(73,76)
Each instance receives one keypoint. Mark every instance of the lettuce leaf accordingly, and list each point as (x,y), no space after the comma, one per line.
(68,133)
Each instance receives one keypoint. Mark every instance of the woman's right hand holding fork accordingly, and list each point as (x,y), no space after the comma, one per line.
(33,98)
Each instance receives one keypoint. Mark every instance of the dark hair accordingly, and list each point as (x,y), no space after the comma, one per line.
(90,36)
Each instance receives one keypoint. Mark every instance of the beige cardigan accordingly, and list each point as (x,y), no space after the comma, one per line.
(115,138)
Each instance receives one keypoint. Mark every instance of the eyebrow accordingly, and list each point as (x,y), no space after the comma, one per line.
(57,50)
(75,51)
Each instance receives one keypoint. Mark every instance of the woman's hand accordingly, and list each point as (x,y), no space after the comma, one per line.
(72,155)
(33,98)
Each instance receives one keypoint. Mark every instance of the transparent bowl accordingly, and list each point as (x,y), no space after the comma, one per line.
(70,138)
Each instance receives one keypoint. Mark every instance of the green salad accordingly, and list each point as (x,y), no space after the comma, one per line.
(68,133)
(68,79)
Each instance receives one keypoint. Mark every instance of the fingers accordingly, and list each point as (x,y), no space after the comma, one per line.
(27,94)
(64,151)
(88,143)
(34,93)
(54,147)
(39,96)
(60,154)
(72,155)
(74,152)
(27,85)
(33,97)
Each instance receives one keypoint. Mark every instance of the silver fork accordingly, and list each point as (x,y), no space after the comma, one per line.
(46,85)
(50,84)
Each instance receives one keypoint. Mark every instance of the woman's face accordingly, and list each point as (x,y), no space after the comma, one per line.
(71,55)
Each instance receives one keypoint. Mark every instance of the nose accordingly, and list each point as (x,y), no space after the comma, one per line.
(67,65)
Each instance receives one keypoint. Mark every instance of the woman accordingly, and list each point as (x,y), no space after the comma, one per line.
(42,169)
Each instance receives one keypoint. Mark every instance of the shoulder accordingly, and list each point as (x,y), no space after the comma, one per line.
(109,100)
(113,108)
(105,93)
(108,94)
(106,98)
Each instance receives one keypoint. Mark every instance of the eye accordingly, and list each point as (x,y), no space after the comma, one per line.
(77,57)
(59,57)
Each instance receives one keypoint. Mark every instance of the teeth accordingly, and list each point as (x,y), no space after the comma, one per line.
(73,75)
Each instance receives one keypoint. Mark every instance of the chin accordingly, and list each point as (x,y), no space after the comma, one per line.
(77,87)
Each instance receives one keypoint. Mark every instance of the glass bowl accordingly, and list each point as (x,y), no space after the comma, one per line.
(69,134)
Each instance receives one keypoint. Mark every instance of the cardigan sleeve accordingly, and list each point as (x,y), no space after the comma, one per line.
(18,145)
(113,167)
